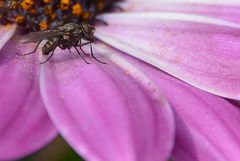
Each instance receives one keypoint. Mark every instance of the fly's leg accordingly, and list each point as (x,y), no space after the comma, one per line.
(48,57)
(86,43)
(90,42)
(32,51)
(80,46)
(94,56)
(80,55)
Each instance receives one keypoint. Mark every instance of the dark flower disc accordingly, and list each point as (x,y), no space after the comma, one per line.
(35,15)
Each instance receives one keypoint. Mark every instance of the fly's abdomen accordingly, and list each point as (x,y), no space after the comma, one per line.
(50,45)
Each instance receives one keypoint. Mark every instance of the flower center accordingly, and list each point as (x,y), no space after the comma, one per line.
(46,14)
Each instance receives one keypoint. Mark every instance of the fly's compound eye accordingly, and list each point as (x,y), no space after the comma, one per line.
(88,29)
(65,4)
(88,32)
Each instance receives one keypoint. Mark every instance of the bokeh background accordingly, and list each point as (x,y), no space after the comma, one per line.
(57,150)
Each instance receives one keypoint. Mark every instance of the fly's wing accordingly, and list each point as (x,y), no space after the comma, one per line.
(38,36)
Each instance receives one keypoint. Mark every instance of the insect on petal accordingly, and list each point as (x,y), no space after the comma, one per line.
(104,114)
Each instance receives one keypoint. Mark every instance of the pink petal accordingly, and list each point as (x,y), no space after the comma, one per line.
(104,114)
(199,50)
(24,124)
(208,126)
(228,10)
(6,32)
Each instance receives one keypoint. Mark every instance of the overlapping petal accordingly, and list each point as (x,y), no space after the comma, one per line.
(104,113)
(207,126)
(24,124)
(135,122)
(228,10)
(199,50)
(6,33)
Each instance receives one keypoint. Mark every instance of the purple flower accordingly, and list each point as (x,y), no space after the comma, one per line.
(129,109)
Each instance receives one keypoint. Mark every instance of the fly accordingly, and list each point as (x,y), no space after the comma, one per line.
(65,37)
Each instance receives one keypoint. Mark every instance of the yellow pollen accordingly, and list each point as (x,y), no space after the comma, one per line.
(53,16)
(47,1)
(8,26)
(19,19)
(2,4)
(48,10)
(32,11)
(64,4)
(77,9)
(27,4)
(43,25)
(86,15)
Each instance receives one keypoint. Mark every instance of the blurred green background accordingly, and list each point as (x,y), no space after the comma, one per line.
(57,150)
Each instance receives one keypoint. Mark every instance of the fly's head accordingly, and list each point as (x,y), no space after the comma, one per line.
(87,32)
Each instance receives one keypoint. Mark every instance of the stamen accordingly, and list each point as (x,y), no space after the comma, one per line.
(47,1)
(19,19)
(65,4)
(27,4)
(44,14)
(43,25)
(77,9)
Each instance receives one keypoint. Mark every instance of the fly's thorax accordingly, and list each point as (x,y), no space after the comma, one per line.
(69,27)
(70,31)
